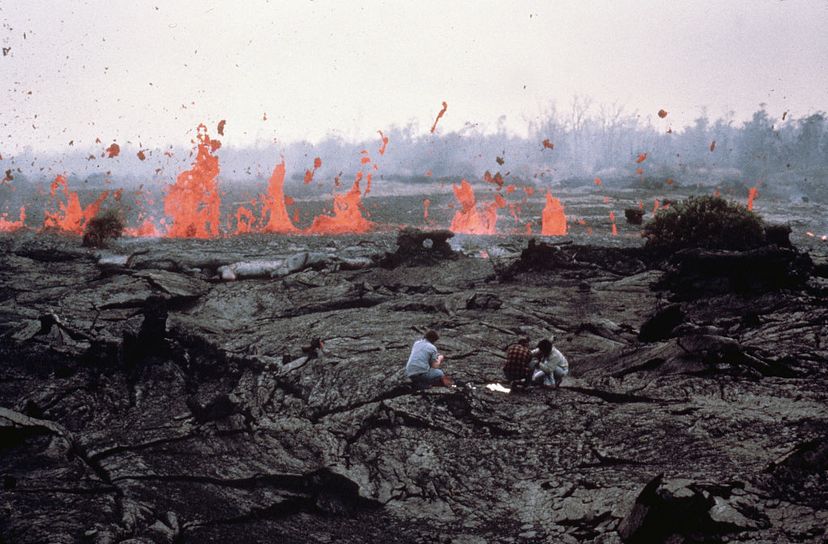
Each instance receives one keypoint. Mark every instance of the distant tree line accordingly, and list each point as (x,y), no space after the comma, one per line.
(582,140)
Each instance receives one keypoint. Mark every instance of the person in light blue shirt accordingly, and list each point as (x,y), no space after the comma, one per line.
(424,362)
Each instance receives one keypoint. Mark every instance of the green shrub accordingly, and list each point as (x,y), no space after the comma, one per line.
(108,224)
(705,222)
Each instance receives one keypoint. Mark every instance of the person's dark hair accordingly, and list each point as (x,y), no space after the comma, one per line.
(523,341)
(545,347)
(432,336)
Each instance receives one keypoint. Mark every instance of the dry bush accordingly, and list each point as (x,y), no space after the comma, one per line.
(107,225)
(707,222)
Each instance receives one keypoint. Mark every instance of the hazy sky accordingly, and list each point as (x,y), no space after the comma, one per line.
(149,72)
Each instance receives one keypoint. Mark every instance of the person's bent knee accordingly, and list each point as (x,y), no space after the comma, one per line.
(431,377)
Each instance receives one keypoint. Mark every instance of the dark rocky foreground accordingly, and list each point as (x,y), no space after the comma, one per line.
(144,400)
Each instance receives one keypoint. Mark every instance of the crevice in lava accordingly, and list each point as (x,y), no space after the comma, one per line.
(614,398)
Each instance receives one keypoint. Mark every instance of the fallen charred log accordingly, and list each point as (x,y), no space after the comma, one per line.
(543,256)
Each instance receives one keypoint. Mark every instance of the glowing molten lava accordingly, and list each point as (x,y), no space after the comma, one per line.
(347,215)
(193,201)
(439,116)
(145,230)
(244,220)
(317,164)
(468,220)
(384,143)
(70,216)
(752,194)
(612,221)
(553,217)
(274,213)
(7,225)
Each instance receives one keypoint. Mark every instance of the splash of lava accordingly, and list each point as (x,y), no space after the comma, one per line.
(384,139)
(347,217)
(274,213)
(439,115)
(70,216)
(7,225)
(752,194)
(317,164)
(612,221)
(468,219)
(553,217)
(145,230)
(244,220)
(193,201)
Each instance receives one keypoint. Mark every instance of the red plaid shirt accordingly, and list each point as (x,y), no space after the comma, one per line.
(518,358)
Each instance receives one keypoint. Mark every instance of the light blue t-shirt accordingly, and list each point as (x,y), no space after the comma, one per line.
(423,353)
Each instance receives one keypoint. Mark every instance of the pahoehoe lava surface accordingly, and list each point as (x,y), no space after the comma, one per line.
(142,398)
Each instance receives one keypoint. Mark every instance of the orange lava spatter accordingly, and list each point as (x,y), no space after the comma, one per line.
(275,216)
(193,201)
(468,219)
(244,220)
(426,204)
(7,225)
(553,217)
(752,194)
(146,229)
(612,221)
(439,115)
(384,143)
(70,216)
(317,164)
(347,217)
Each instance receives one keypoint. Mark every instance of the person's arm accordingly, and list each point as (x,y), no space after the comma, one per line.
(437,361)
(546,366)
(560,360)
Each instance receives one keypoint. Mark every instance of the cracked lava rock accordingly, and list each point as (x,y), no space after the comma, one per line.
(143,398)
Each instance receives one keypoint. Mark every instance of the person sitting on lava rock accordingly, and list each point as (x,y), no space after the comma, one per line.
(518,359)
(551,366)
(424,362)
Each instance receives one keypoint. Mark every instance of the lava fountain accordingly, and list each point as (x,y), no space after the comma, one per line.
(8,225)
(553,217)
(347,217)
(70,216)
(193,201)
(468,220)
(275,209)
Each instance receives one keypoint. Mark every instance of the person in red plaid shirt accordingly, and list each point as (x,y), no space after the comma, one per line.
(518,359)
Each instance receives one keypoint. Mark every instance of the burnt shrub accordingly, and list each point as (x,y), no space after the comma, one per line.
(707,222)
(106,225)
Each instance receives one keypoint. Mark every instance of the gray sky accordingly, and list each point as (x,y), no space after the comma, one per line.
(149,72)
